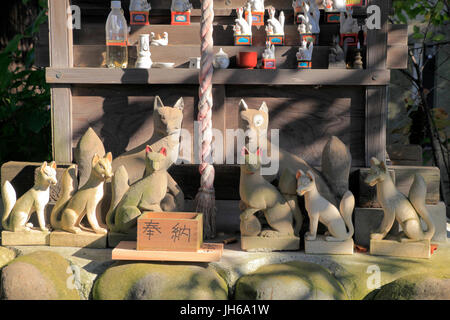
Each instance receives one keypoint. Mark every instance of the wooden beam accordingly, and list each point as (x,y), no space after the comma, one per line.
(227,76)
(377,97)
(61,56)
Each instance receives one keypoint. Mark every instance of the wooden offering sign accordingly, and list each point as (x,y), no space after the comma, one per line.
(170,231)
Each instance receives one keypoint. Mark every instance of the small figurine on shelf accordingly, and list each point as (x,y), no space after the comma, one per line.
(332,8)
(297,5)
(275,28)
(243,28)
(328,5)
(144,61)
(139,12)
(304,55)
(221,60)
(336,221)
(157,40)
(181,12)
(309,27)
(358,62)
(349,28)
(268,57)
(336,56)
(257,10)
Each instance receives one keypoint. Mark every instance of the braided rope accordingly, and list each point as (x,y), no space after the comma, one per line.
(205,199)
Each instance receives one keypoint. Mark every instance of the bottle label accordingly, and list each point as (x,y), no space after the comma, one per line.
(120,43)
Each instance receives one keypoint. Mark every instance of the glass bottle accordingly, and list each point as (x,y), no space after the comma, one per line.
(116,37)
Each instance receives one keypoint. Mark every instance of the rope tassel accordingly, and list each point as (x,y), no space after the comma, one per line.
(205,199)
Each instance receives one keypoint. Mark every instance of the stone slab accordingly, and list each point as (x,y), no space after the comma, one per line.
(80,240)
(30,238)
(393,248)
(270,244)
(321,246)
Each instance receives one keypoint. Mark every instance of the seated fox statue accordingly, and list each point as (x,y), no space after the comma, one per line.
(144,195)
(16,214)
(167,123)
(257,194)
(73,205)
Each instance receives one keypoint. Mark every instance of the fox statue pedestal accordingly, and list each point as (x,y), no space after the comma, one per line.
(33,237)
(260,244)
(83,239)
(322,246)
(394,248)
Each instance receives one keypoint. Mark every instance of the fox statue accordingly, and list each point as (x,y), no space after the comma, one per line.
(257,194)
(16,214)
(320,209)
(73,205)
(145,195)
(406,210)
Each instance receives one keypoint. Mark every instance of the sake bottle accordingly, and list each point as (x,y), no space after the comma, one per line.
(116,37)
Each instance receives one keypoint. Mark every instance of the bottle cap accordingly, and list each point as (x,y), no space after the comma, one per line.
(116,5)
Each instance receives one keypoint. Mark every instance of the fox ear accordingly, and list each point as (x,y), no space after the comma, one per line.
(374,162)
(109,157)
(163,151)
(244,151)
(44,165)
(53,165)
(158,103)
(95,159)
(179,104)
(383,166)
(299,174)
(243,105)
(259,152)
(264,107)
(148,149)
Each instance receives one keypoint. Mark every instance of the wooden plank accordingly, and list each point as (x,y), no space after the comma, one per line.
(228,76)
(60,36)
(126,250)
(405,155)
(377,97)
(397,35)
(397,57)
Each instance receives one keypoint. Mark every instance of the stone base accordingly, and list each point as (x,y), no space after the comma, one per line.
(321,246)
(270,244)
(81,240)
(393,248)
(30,238)
(115,238)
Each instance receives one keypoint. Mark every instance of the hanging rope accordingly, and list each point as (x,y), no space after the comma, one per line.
(205,198)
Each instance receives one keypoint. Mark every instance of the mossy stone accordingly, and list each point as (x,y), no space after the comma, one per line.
(290,281)
(148,281)
(416,287)
(6,256)
(41,275)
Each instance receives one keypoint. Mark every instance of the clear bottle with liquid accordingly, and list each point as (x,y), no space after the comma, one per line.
(116,37)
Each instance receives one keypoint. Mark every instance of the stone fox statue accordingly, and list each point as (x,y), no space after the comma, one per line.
(398,207)
(257,194)
(16,214)
(320,209)
(144,195)
(332,182)
(73,205)
(167,129)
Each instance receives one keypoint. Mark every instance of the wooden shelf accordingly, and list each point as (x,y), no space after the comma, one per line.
(228,76)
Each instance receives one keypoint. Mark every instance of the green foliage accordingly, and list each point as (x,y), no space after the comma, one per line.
(25,129)
(432,13)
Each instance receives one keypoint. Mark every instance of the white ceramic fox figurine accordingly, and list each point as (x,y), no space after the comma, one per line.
(180,6)
(305,51)
(275,26)
(256,5)
(269,52)
(243,27)
(321,210)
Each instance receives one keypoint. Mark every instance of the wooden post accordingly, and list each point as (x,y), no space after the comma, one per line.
(377,96)
(61,56)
